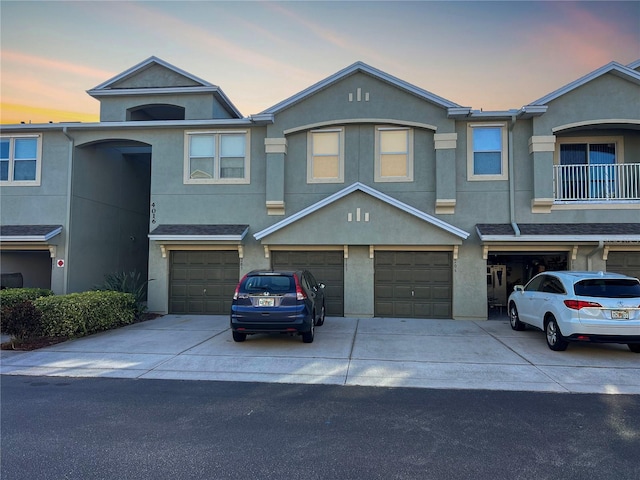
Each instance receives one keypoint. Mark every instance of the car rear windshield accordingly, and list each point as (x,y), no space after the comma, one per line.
(610,288)
(276,284)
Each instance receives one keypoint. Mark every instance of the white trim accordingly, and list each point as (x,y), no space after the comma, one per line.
(9,182)
(360,67)
(588,140)
(216,180)
(378,177)
(32,238)
(600,121)
(347,121)
(340,154)
(504,175)
(374,193)
(612,67)
(559,238)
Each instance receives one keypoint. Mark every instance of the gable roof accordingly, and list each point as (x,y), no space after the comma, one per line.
(615,68)
(370,191)
(360,67)
(109,88)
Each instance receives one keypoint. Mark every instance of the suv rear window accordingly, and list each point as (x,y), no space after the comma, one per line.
(607,288)
(268,283)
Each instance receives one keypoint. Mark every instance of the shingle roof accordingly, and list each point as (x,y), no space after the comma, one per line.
(196,231)
(33,233)
(604,230)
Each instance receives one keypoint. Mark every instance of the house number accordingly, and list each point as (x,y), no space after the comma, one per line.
(153,212)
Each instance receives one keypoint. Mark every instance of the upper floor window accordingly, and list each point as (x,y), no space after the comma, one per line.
(487,155)
(589,151)
(20,160)
(155,112)
(592,168)
(325,156)
(217,157)
(393,154)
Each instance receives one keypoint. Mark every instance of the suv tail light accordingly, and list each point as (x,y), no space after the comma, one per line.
(300,295)
(237,292)
(578,304)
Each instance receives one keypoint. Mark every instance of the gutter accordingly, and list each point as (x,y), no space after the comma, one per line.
(67,237)
(592,253)
(512,180)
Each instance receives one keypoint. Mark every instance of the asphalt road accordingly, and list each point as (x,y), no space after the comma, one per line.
(70,428)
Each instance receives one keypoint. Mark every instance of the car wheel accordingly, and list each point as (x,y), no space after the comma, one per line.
(321,319)
(514,320)
(555,340)
(307,337)
(239,337)
(634,347)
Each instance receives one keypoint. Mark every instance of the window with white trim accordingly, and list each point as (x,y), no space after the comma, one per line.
(20,160)
(393,154)
(487,155)
(217,157)
(325,156)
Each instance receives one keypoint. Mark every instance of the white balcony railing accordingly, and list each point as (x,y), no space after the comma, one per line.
(596,182)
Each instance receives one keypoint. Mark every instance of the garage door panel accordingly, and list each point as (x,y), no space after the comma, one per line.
(423,293)
(326,266)
(203,282)
(627,263)
(413,284)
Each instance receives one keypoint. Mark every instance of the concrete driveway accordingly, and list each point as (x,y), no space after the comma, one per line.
(381,352)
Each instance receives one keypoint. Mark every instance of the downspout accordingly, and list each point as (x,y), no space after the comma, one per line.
(592,253)
(512,180)
(67,237)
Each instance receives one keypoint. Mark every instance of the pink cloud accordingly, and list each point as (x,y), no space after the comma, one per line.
(44,64)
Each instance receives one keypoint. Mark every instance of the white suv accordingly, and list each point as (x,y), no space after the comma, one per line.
(579,307)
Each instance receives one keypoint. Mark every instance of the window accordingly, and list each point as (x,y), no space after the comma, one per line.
(325,156)
(217,157)
(487,155)
(394,154)
(20,160)
(587,168)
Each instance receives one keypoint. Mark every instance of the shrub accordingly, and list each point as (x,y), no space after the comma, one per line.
(127,283)
(78,314)
(19,317)
(22,320)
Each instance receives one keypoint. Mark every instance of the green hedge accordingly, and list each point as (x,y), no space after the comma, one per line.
(78,314)
(10,297)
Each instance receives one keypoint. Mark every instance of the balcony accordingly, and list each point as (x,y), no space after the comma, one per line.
(596,183)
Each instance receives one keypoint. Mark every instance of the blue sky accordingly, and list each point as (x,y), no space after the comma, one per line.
(490,55)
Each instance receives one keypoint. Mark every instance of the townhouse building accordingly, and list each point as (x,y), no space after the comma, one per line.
(405,204)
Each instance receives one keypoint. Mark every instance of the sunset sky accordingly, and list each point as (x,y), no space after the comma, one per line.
(489,55)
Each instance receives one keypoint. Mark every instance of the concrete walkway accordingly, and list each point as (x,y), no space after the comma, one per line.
(346,351)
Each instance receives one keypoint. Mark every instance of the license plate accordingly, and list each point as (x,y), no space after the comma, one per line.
(619,314)
(266,302)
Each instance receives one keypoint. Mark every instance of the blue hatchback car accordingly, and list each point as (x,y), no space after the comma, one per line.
(267,301)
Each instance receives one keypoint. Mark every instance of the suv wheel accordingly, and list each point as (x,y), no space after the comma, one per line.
(321,319)
(307,337)
(514,320)
(555,340)
(239,337)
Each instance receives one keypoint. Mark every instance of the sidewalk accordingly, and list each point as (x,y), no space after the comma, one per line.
(379,352)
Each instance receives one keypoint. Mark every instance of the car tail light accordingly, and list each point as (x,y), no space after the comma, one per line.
(237,292)
(300,295)
(578,304)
